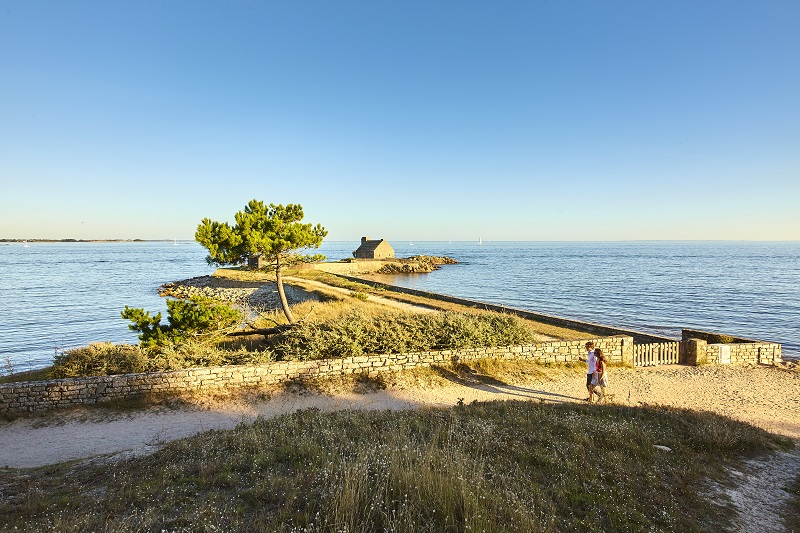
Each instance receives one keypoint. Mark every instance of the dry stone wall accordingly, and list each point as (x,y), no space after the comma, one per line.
(706,348)
(43,395)
(699,352)
(361,266)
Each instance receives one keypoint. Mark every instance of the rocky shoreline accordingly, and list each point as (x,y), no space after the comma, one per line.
(418,264)
(263,295)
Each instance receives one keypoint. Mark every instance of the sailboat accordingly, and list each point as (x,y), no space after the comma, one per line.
(25,244)
(175,243)
(480,241)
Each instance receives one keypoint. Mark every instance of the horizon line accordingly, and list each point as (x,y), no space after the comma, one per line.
(411,241)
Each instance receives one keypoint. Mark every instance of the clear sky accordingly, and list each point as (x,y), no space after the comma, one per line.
(407,120)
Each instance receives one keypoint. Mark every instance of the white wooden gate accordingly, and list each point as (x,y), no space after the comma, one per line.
(662,353)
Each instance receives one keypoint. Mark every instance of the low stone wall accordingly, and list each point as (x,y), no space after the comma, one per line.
(706,348)
(699,352)
(42,395)
(362,266)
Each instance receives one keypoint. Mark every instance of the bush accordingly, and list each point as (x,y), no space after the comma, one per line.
(357,333)
(200,315)
(103,359)
(99,359)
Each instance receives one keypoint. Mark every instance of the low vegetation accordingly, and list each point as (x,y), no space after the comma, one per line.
(186,319)
(103,359)
(793,511)
(384,291)
(338,330)
(499,466)
(358,333)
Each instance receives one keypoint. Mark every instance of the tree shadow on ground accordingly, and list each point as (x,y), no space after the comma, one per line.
(467,377)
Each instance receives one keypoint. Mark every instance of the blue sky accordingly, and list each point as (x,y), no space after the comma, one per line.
(404,120)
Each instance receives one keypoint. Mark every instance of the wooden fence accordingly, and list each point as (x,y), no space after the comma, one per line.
(662,353)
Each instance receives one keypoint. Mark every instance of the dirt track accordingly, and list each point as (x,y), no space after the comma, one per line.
(764,396)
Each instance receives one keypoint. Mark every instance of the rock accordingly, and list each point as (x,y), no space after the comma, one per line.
(416,265)
(246,294)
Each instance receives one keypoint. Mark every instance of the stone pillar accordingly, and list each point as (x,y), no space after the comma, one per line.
(696,352)
(626,345)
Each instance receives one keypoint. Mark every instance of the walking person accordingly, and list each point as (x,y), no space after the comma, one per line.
(600,380)
(591,367)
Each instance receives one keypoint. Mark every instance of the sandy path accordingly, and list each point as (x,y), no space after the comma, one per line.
(373,298)
(764,396)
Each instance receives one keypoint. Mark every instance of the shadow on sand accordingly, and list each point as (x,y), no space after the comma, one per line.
(467,377)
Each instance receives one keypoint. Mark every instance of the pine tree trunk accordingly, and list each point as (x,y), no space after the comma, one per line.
(281,293)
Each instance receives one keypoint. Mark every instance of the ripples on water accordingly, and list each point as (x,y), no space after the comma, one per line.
(750,289)
(63,295)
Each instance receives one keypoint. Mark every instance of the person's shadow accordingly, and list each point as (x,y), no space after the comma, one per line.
(467,377)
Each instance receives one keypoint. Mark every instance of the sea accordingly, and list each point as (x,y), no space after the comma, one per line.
(57,296)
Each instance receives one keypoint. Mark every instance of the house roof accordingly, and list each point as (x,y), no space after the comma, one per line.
(370,246)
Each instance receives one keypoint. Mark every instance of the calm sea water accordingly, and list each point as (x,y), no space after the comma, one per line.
(61,295)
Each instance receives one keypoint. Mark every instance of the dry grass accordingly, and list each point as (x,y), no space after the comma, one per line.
(333,280)
(28,375)
(496,466)
(793,506)
(241,274)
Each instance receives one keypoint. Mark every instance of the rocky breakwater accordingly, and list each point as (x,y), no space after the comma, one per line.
(417,264)
(241,293)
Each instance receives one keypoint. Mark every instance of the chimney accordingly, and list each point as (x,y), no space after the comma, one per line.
(364,239)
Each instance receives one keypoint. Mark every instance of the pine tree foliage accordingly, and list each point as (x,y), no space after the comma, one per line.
(186,319)
(272,232)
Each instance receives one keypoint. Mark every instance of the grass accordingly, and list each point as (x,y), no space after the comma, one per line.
(792,514)
(333,280)
(27,375)
(496,466)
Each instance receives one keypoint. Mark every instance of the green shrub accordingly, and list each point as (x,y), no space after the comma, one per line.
(200,315)
(357,333)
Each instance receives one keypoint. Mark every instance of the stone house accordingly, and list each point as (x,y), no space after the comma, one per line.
(373,249)
(257,261)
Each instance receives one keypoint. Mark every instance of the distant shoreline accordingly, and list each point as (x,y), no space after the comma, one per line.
(85,240)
